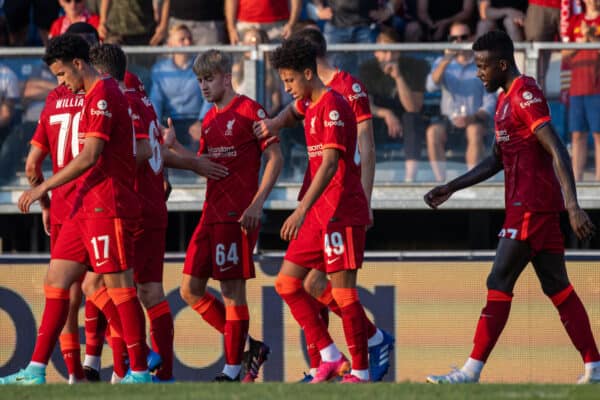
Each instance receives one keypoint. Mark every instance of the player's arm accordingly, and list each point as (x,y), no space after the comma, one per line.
(92,149)
(287,118)
(143,150)
(580,221)
(323,176)
(487,168)
(33,172)
(201,165)
(366,146)
(273,164)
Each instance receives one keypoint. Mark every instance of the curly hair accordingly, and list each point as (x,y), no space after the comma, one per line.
(315,37)
(296,54)
(110,59)
(212,61)
(66,47)
(497,43)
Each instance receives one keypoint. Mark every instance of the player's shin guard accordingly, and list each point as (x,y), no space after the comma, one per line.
(576,323)
(212,311)
(53,320)
(134,331)
(303,309)
(353,321)
(95,328)
(102,299)
(237,321)
(491,323)
(161,334)
(71,351)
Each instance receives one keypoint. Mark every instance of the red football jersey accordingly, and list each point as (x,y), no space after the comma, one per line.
(228,139)
(330,123)
(57,134)
(530,181)
(264,11)
(107,189)
(149,175)
(584,63)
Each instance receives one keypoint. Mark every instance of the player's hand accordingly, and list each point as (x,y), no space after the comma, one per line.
(264,128)
(29,197)
(210,169)
(581,223)
(292,225)
(250,219)
(46,220)
(437,196)
(168,133)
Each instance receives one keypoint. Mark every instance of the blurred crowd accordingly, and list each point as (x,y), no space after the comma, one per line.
(428,108)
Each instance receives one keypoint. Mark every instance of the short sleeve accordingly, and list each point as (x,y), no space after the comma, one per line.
(258,113)
(140,121)
(40,136)
(359,101)
(99,114)
(335,122)
(531,107)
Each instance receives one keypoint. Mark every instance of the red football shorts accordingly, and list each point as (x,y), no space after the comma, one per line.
(540,230)
(331,249)
(220,251)
(149,256)
(54,231)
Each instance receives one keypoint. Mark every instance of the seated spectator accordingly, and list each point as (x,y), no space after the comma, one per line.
(19,14)
(437,16)
(542,24)
(272,83)
(132,22)
(584,90)
(75,11)
(466,108)
(276,17)
(396,84)
(9,97)
(205,18)
(175,93)
(506,14)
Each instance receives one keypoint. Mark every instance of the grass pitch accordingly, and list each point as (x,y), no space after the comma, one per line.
(282,391)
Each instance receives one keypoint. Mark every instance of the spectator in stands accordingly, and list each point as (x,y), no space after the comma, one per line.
(204,18)
(466,108)
(276,17)
(352,21)
(19,12)
(75,11)
(272,83)
(584,91)
(542,24)
(175,92)
(506,14)
(132,22)
(437,16)
(9,97)
(396,84)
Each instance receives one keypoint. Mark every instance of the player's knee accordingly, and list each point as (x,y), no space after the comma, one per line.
(315,284)
(149,297)
(552,286)
(189,295)
(497,282)
(285,284)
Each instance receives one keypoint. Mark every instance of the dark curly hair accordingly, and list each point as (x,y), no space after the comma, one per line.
(315,37)
(296,54)
(110,59)
(497,43)
(65,48)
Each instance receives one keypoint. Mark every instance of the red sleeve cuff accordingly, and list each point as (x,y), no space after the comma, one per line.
(100,135)
(538,122)
(336,146)
(41,146)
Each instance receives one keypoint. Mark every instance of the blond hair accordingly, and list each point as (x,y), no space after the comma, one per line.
(179,27)
(212,61)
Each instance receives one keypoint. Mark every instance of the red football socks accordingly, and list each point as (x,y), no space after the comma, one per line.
(212,311)
(53,320)
(237,321)
(71,351)
(161,334)
(95,328)
(491,323)
(576,322)
(353,321)
(134,332)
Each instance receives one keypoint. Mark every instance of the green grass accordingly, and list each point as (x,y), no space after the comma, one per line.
(279,391)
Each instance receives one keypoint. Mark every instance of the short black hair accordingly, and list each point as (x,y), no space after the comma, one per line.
(65,48)
(295,53)
(497,43)
(315,37)
(109,58)
(85,30)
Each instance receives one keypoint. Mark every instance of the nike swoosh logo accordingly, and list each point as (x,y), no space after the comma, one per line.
(90,319)
(225,269)
(101,263)
(129,346)
(329,262)
(19,379)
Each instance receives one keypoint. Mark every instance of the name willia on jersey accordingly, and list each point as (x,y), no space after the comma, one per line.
(69,102)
